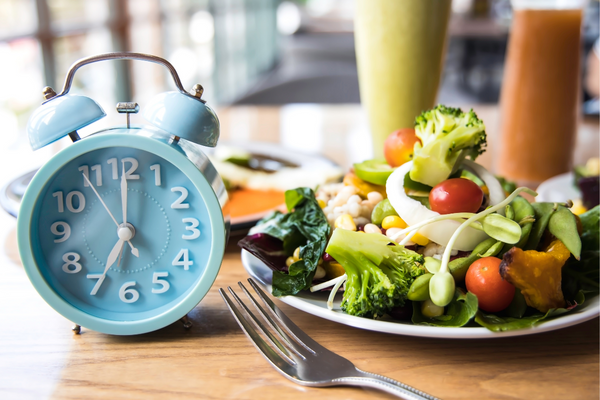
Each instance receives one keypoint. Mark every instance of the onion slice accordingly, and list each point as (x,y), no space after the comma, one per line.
(413,212)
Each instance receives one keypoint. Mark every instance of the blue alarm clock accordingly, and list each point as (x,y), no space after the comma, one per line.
(123,232)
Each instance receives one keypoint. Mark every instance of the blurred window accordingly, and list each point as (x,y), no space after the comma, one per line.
(222,44)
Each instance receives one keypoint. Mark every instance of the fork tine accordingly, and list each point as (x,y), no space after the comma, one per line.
(278,346)
(282,364)
(292,328)
(288,337)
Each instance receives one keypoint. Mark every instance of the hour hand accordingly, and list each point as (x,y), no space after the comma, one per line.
(114,253)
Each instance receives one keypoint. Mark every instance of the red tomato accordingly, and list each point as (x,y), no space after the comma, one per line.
(399,145)
(456,195)
(484,281)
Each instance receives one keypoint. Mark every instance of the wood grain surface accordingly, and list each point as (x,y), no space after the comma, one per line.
(40,357)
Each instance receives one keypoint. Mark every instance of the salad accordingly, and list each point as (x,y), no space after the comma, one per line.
(430,236)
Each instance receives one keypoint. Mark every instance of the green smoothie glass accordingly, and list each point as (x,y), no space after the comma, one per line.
(400,46)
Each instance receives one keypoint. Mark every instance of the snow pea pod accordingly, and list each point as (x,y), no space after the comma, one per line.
(543,212)
(458,267)
(563,225)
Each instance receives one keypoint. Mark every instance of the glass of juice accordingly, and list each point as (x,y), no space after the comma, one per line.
(400,47)
(540,92)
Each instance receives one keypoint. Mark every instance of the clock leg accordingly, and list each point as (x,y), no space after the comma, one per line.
(76,328)
(187,324)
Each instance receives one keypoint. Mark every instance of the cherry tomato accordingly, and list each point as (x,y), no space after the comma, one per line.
(398,148)
(456,195)
(484,281)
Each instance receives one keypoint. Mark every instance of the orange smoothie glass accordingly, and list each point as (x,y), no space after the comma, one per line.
(400,47)
(540,92)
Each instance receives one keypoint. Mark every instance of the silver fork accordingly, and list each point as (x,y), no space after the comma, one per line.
(298,357)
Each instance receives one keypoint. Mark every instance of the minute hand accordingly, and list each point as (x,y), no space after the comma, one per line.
(134,250)
(124,195)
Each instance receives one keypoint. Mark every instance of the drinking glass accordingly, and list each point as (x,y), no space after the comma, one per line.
(400,47)
(541,90)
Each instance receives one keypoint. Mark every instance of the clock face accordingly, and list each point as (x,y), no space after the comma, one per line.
(122,234)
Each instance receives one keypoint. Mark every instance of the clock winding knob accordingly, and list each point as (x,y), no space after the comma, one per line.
(48,93)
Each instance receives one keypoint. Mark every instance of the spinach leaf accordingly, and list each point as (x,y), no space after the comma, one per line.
(304,226)
(459,312)
(501,324)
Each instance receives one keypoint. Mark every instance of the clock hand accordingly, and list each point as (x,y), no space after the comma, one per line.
(114,253)
(124,194)
(100,198)
(134,250)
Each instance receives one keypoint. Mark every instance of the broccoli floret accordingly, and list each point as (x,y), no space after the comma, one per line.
(379,273)
(448,135)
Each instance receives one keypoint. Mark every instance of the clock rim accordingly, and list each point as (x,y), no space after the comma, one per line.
(135,140)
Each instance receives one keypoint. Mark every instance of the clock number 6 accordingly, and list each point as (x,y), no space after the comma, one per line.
(127,289)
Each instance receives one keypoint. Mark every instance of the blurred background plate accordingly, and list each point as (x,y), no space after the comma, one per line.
(559,189)
(248,204)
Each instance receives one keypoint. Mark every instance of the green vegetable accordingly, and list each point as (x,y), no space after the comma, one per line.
(459,311)
(543,212)
(419,290)
(447,135)
(417,186)
(525,216)
(508,186)
(501,228)
(518,305)
(501,324)
(563,226)
(373,171)
(583,277)
(383,209)
(304,226)
(379,274)
(459,267)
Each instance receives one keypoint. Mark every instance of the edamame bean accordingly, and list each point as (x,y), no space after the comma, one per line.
(383,209)
(441,288)
(563,225)
(419,290)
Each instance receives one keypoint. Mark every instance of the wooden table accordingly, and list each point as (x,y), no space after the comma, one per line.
(40,357)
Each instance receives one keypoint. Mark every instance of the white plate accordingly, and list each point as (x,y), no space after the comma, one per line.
(558,189)
(316,304)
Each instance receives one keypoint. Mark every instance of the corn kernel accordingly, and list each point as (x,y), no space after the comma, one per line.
(289,261)
(345,221)
(393,221)
(296,254)
(420,239)
(485,190)
(322,203)
(578,207)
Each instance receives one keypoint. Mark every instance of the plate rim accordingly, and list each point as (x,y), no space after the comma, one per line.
(589,312)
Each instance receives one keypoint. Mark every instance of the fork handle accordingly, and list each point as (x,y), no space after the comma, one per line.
(386,384)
